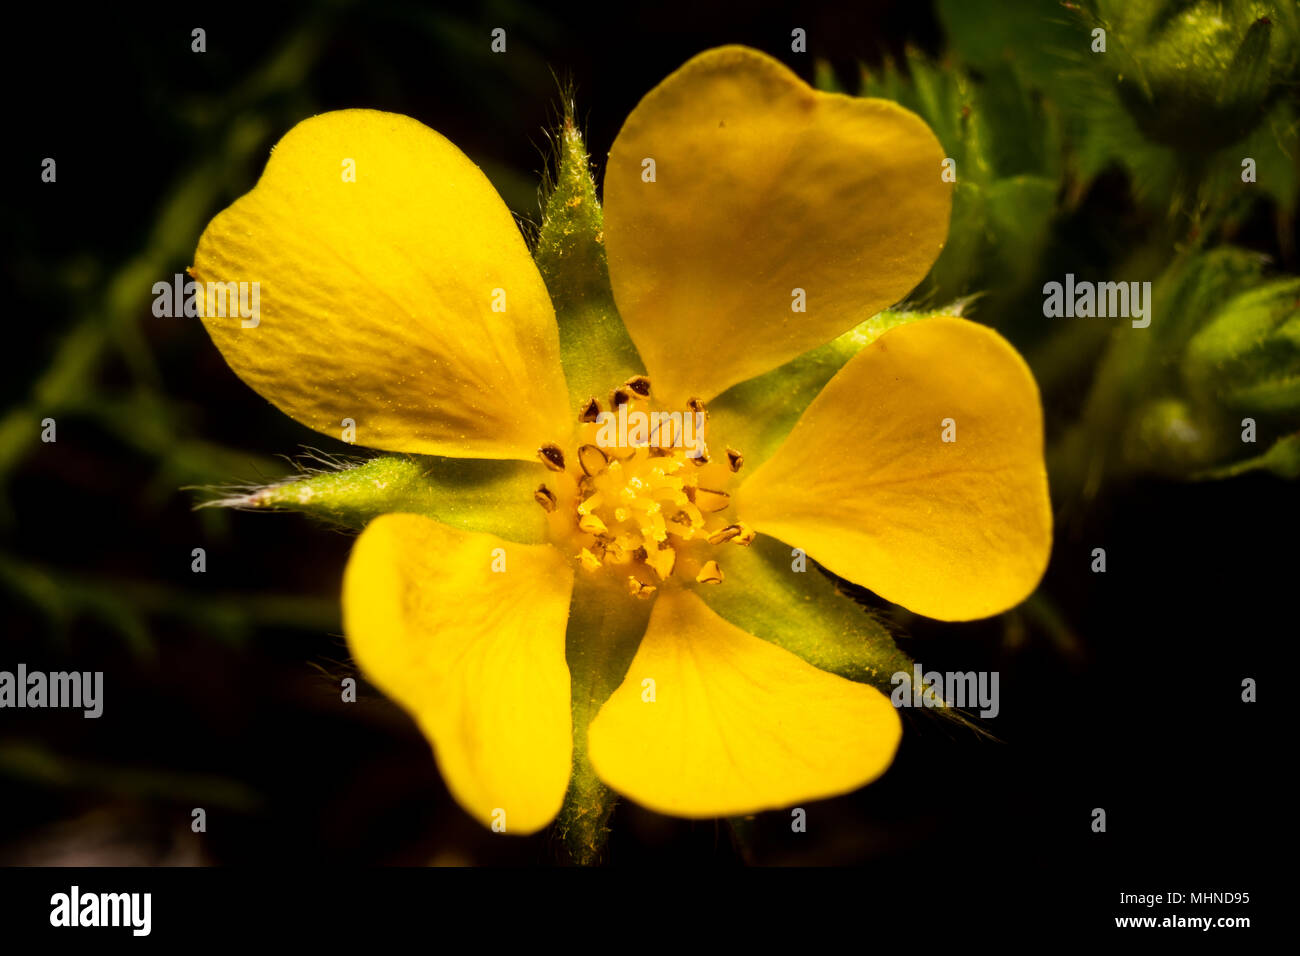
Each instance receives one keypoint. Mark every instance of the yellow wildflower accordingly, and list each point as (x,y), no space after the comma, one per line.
(748,219)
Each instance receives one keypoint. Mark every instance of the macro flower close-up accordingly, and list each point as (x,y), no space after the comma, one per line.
(693,442)
(619,458)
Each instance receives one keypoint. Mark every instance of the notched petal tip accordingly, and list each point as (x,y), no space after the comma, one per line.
(351,207)
(943,504)
(707,307)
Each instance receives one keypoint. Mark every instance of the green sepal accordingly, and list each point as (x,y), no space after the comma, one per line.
(755,416)
(804,613)
(1247,357)
(1030,36)
(1192,290)
(495,497)
(604,632)
(595,348)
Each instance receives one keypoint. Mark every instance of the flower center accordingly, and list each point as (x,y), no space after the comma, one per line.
(639,497)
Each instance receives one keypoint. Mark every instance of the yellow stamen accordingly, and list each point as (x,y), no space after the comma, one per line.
(637,503)
(708,500)
(545,497)
(662,561)
(637,589)
(710,573)
(639,385)
(746,535)
(723,534)
(551,457)
(592,459)
(592,524)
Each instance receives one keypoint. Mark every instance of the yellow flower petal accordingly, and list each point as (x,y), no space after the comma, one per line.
(762,186)
(737,724)
(866,485)
(376,296)
(475,655)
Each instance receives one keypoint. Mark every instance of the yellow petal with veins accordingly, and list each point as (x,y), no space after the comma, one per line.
(762,186)
(866,484)
(466,632)
(737,724)
(377,295)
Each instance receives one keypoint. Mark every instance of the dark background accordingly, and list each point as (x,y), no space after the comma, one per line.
(222,689)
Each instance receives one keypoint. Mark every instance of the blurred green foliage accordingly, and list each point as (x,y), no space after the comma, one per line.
(1039,119)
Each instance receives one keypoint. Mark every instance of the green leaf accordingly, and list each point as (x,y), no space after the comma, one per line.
(1034,37)
(126,606)
(941,97)
(957,270)
(1248,73)
(1283,460)
(1137,417)
(495,497)
(36,763)
(1192,290)
(1273,145)
(1019,211)
(595,348)
(1020,132)
(1007,146)
(605,629)
(1143,363)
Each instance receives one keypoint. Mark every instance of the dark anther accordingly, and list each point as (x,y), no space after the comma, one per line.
(551,457)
